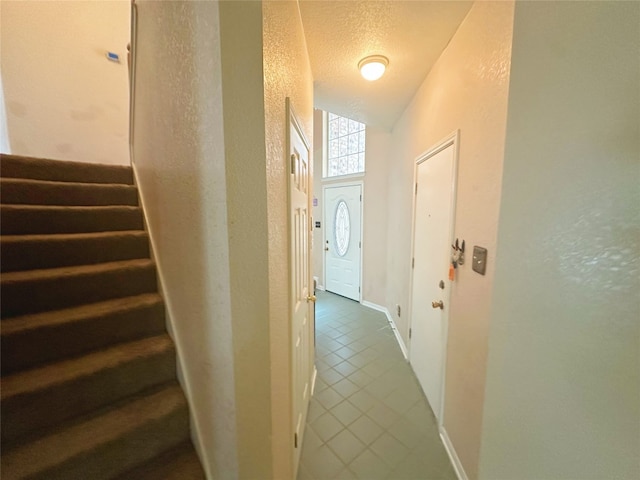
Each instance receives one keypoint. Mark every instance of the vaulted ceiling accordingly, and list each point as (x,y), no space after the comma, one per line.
(411,34)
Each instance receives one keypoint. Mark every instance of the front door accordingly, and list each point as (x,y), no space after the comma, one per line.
(342,243)
(434,208)
(302,299)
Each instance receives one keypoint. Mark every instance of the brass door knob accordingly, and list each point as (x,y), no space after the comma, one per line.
(439,304)
(311,298)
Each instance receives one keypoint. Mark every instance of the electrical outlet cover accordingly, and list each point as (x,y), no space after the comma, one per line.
(479,263)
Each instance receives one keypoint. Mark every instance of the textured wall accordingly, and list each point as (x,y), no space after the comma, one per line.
(318,235)
(287,73)
(467,90)
(247,176)
(64,99)
(374,222)
(5,146)
(179,159)
(563,378)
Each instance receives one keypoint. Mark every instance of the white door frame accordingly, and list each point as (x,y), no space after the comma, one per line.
(452,139)
(338,183)
(296,444)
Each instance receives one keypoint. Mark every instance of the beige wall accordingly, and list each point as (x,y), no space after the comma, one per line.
(374,238)
(247,209)
(287,73)
(179,159)
(563,378)
(374,221)
(467,90)
(318,236)
(211,162)
(64,99)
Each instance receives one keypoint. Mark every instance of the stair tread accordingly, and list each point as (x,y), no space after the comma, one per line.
(21,166)
(70,208)
(33,181)
(50,318)
(41,237)
(180,463)
(61,272)
(62,445)
(44,377)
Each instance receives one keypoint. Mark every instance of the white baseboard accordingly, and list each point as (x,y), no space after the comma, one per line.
(314,376)
(384,310)
(453,456)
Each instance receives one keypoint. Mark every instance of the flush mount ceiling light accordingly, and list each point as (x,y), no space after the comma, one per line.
(373,67)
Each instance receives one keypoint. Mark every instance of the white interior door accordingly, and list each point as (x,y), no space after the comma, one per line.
(342,242)
(302,299)
(434,209)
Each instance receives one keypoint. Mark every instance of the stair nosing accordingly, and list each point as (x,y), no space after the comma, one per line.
(92,433)
(36,181)
(75,270)
(72,236)
(52,318)
(51,375)
(75,208)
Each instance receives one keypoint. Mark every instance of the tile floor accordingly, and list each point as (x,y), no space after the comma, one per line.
(368,417)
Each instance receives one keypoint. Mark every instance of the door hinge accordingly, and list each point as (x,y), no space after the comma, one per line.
(360,244)
(416,188)
(360,197)
(295,440)
(293,163)
(413,262)
(409,333)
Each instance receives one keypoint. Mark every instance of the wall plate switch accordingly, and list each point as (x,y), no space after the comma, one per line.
(479,263)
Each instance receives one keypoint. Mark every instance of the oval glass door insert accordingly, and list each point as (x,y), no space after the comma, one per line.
(342,228)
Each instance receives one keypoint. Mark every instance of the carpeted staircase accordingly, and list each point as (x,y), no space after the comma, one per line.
(88,388)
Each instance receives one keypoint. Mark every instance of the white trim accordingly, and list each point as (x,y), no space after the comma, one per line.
(343,178)
(314,376)
(453,139)
(321,287)
(392,322)
(453,456)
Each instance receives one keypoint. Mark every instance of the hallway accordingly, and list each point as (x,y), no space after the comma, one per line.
(368,417)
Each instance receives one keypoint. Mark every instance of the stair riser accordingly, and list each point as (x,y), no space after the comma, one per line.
(26,254)
(27,413)
(180,463)
(32,348)
(117,457)
(39,295)
(15,166)
(22,221)
(18,191)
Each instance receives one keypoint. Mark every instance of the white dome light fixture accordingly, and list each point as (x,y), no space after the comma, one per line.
(373,67)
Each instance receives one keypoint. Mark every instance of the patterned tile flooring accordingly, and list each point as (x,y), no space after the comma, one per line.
(368,417)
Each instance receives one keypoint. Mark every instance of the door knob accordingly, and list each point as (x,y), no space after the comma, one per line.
(326,249)
(311,298)
(439,304)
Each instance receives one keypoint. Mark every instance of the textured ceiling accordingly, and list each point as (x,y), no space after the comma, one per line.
(412,34)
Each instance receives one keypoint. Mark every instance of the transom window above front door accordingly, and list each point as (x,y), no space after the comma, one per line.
(345,146)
